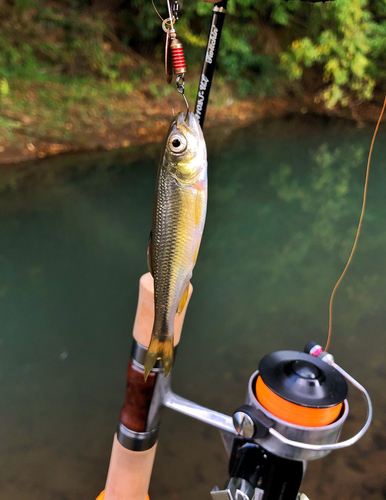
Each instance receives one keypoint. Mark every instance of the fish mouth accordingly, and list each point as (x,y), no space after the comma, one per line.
(190,121)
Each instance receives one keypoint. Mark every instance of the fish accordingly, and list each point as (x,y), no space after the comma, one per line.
(179,213)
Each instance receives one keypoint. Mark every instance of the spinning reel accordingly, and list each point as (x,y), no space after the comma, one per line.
(295,409)
(294,412)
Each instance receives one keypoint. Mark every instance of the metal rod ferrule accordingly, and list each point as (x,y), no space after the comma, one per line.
(137,441)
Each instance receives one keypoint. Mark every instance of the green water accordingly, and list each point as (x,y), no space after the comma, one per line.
(284,201)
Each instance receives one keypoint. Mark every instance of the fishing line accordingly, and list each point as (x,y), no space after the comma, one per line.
(155,8)
(358,230)
(170,20)
(159,15)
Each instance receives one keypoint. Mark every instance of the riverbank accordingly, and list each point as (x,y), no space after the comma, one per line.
(86,76)
(118,121)
(45,119)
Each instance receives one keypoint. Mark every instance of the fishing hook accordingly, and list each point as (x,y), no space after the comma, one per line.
(180,83)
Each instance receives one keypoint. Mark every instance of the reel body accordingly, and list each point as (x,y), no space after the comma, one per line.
(295,410)
(305,400)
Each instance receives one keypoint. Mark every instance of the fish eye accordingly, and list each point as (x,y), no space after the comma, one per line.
(177,143)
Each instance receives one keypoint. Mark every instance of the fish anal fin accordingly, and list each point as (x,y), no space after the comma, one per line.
(159,348)
(183,300)
(149,254)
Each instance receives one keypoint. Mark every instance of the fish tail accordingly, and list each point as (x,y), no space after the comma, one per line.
(159,349)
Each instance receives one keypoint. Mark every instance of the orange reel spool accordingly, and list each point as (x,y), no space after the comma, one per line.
(300,389)
(292,413)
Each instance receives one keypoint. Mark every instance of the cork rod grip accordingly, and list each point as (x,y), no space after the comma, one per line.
(130,471)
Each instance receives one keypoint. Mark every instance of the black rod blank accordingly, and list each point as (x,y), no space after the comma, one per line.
(219,12)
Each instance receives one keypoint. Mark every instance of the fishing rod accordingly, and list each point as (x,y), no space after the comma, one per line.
(210,59)
(296,402)
(209,65)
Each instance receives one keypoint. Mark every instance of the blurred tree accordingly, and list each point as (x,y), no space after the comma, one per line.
(268,46)
(340,43)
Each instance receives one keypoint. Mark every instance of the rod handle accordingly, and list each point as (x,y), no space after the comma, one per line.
(129,473)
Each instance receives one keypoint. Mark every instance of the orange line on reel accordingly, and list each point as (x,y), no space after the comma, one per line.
(292,413)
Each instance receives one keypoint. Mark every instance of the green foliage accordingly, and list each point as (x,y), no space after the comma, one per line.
(4,87)
(268,42)
(37,39)
(343,47)
(340,46)
(252,72)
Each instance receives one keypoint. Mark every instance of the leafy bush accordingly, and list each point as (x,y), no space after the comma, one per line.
(266,44)
(342,47)
(37,39)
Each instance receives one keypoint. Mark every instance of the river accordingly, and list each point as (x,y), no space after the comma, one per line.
(284,202)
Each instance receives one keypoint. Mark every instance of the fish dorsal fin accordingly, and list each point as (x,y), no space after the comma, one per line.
(149,254)
(183,300)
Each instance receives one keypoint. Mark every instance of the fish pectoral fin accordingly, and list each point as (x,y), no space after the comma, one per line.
(159,349)
(149,254)
(183,300)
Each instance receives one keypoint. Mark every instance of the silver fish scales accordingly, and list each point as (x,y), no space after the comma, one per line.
(178,222)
